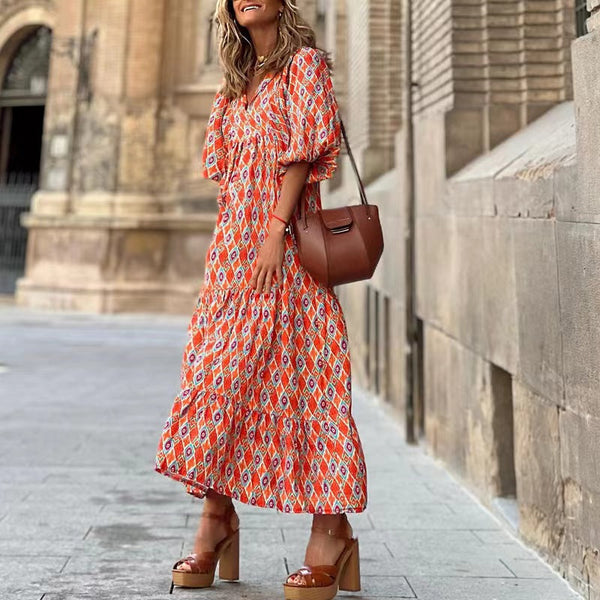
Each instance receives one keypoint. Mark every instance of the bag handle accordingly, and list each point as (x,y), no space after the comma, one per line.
(361,187)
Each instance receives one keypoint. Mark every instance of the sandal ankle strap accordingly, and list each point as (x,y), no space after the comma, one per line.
(225,517)
(339,532)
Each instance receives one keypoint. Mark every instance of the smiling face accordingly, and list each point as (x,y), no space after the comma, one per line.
(251,13)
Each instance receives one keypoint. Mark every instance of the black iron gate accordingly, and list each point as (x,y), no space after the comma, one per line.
(16,190)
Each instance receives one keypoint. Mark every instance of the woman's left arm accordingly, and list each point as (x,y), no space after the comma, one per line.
(270,256)
(311,154)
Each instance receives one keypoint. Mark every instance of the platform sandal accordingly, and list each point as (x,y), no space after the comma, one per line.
(204,564)
(322,582)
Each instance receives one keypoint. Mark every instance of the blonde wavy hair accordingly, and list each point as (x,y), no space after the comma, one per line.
(237,54)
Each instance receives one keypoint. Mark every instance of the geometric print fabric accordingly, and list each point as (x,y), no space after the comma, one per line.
(263,414)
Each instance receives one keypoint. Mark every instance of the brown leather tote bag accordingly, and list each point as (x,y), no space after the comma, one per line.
(340,245)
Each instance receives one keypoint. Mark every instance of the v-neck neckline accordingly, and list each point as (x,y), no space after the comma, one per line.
(248,104)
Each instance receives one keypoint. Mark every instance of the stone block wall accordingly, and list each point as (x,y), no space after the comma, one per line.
(508,287)
(507,277)
(505,116)
(469,414)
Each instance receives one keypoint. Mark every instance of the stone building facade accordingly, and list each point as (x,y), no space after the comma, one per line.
(476,127)
(122,218)
(483,147)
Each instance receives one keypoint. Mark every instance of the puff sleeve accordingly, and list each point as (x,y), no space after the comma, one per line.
(312,116)
(214,154)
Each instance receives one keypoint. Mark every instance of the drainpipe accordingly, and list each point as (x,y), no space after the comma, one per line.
(411,364)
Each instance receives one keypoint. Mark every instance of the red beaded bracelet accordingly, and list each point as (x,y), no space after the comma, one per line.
(279,218)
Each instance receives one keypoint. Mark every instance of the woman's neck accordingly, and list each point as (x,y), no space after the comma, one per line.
(264,39)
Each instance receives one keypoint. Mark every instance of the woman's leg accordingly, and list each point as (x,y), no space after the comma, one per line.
(324,549)
(211,531)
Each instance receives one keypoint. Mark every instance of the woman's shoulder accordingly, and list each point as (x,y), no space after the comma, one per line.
(307,55)
(220,100)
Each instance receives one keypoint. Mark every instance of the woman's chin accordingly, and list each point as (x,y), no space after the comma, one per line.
(255,20)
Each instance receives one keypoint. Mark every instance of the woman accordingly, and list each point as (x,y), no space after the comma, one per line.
(264,412)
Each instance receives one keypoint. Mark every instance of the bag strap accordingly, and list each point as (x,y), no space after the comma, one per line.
(361,187)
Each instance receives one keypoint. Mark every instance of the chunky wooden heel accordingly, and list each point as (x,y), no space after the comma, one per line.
(322,582)
(350,577)
(229,564)
(203,564)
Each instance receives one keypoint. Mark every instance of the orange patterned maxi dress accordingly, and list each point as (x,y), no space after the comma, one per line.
(264,410)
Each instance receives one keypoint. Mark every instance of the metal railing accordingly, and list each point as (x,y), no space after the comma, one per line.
(581,16)
(16,190)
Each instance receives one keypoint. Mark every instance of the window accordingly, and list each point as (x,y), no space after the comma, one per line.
(582,14)
(28,71)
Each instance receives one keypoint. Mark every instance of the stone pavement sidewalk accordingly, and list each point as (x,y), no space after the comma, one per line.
(83,514)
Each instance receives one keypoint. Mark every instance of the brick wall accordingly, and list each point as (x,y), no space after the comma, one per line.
(432,55)
(358,75)
(385,85)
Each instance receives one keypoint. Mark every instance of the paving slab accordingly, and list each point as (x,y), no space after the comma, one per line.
(80,500)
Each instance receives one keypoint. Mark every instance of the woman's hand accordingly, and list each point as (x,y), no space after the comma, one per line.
(270,259)
(270,256)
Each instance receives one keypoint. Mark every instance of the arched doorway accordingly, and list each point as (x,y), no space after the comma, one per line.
(22,104)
